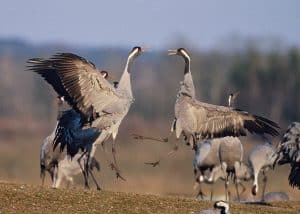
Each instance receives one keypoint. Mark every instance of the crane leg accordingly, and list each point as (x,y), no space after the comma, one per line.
(211,191)
(265,179)
(114,165)
(243,188)
(237,190)
(156,163)
(175,148)
(43,178)
(87,164)
(200,192)
(94,179)
(55,175)
(226,189)
(141,137)
(86,182)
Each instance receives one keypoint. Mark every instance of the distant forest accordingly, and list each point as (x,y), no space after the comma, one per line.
(268,79)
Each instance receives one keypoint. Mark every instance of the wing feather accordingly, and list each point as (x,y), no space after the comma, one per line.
(78,80)
(220,121)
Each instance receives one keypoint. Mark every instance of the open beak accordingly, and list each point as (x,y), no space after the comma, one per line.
(172,52)
(145,49)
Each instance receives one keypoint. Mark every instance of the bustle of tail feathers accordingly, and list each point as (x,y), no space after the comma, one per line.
(288,150)
(294,176)
(71,135)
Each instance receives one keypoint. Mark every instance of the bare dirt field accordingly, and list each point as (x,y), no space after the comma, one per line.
(21,198)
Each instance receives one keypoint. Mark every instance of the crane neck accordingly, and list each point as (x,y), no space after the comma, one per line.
(125,83)
(187,66)
(187,86)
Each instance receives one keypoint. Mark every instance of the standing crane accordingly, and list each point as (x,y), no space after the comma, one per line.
(100,105)
(197,120)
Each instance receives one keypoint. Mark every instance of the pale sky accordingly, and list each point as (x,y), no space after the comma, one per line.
(153,23)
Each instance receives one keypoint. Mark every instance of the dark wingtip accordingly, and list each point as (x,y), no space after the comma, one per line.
(261,125)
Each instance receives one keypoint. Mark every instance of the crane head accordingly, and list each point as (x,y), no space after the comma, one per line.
(180,52)
(136,51)
(232,97)
(104,74)
(222,205)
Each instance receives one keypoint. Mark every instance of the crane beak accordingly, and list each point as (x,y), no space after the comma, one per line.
(145,49)
(172,52)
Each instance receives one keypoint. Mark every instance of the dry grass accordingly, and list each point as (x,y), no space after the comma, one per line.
(19,163)
(34,199)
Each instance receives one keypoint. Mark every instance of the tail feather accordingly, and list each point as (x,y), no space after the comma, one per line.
(294,176)
(71,135)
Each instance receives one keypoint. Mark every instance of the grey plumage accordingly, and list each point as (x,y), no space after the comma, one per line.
(205,159)
(288,152)
(99,103)
(198,120)
(276,196)
(49,157)
(230,155)
(206,154)
(58,164)
(230,151)
(261,158)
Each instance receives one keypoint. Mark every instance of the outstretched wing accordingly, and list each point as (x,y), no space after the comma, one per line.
(220,121)
(78,80)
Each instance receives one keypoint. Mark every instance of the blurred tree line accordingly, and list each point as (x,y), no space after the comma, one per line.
(268,81)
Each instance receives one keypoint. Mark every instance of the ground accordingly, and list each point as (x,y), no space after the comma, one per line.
(21,198)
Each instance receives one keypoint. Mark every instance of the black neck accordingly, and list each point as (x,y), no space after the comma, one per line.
(129,63)
(223,210)
(187,66)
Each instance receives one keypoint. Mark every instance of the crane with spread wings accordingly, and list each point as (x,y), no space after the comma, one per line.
(101,105)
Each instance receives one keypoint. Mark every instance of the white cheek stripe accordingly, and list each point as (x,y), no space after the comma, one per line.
(133,53)
(186,55)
